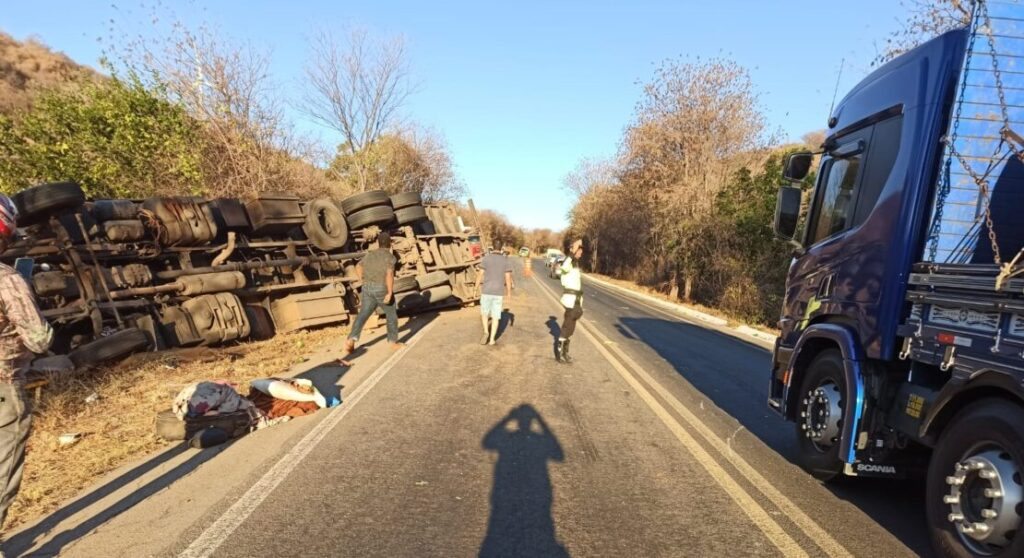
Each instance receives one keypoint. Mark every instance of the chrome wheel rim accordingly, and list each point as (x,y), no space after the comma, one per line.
(986,499)
(822,415)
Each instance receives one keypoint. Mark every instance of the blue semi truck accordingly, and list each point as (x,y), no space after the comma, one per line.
(901,349)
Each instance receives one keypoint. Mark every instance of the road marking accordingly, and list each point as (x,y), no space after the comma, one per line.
(735,332)
(814,531)
(215,535)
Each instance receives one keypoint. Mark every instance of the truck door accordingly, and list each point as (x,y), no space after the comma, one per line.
(820,280)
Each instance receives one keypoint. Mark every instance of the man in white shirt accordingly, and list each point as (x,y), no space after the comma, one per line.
(572,298)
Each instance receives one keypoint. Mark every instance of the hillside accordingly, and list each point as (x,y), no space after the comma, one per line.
(26,66)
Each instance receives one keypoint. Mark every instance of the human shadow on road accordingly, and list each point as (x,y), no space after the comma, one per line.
(733,374)
(507,320)
(555,330)
(521,523)
(22,542)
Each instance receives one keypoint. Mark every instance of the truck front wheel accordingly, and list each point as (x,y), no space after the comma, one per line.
(975,495)
(820,423)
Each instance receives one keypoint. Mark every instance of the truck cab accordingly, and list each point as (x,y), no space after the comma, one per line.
(866,218)
(901,345)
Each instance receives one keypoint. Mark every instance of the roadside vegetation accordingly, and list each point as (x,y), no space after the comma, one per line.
(686,205)
(193,113)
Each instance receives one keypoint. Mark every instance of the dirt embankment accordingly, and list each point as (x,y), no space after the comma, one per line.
(27,66)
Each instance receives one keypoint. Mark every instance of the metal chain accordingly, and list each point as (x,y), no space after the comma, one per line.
(983,23)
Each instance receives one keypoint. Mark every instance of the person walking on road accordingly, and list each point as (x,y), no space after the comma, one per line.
(572,298)
(495,280)
(23,331)
(377,273)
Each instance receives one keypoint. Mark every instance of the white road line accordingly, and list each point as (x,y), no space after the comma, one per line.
(814,531)
(215,535)
(724,330)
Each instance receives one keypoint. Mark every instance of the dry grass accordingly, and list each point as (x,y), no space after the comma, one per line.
(663,296)
(118,427)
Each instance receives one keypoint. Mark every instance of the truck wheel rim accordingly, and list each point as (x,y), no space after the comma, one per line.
(985,500)
(823,415)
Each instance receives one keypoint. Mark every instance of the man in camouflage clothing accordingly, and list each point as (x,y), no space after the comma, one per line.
(23,331)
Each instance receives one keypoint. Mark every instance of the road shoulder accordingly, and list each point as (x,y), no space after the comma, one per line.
(169,490)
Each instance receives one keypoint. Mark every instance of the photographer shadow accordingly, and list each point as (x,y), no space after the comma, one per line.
(521,523)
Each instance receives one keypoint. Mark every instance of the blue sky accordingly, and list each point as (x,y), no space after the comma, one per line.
(523,90)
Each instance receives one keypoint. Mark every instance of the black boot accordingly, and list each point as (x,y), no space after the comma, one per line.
(564,351)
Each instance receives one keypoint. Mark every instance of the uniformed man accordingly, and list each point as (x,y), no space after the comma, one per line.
(572,298)
(23,331)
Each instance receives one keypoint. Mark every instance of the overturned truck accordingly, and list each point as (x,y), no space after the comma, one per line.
(120,276)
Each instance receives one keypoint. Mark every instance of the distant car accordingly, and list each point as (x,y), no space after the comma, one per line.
(553,264)
(551,254)
(524,252)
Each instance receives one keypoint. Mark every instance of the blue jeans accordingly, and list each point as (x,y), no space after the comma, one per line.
(372,298)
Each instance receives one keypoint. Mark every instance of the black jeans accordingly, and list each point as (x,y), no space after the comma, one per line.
(569,321)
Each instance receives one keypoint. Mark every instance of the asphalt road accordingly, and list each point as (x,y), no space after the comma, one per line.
(727,377)
(656,442)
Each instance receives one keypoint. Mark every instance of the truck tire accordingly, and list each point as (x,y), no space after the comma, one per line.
(424,228)
(410,215)
(364,200)
(432,279)
(403,284)
(406,199)
(261,326)
(115,345)
(818,429)
(325,225)
(989,435)
(371,216)
(37,203)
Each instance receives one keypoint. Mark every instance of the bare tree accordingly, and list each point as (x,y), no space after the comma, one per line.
(925,19)
(249,147)
(590,174)
(356,87)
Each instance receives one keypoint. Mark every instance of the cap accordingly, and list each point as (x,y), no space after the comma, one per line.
(8,217)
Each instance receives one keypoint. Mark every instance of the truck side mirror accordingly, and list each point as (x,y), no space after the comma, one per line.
(797,165)
(787,212)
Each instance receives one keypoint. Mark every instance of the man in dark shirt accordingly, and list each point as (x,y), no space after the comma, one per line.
(377,273)
(495,280)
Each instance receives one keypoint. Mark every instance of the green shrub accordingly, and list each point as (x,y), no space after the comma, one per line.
(114,136)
